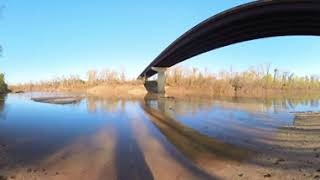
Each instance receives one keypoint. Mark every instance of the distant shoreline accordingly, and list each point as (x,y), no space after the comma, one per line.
(137,91)
(185,82)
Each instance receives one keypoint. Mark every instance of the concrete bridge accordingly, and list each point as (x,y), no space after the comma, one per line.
(258,19)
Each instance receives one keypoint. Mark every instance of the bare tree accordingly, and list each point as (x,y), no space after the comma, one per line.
(267,68)
(275,75)
(123,77)
(92,76)
(285,76)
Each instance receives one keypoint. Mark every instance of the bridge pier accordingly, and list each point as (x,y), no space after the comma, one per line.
(158,86)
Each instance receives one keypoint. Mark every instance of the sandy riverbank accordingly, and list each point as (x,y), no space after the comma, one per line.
(58,99)
(291,153)
(118,91)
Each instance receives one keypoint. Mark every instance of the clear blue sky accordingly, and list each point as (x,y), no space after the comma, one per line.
(46,39)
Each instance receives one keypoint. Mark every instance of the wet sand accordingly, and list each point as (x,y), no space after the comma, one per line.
(111,153)
(87,158)
(58,100)
(291,153)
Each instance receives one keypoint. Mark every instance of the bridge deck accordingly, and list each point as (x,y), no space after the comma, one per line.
(259,19)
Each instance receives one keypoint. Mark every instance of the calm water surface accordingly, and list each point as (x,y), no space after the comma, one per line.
(127,135)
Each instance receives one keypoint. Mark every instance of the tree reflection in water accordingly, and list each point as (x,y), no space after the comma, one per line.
(2,106)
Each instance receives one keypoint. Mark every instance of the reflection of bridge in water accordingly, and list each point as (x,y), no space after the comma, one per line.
(139,139)
(210,153)
(259,19)
(207,153)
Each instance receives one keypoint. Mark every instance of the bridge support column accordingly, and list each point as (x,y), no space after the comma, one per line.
(158,86)
(161,81)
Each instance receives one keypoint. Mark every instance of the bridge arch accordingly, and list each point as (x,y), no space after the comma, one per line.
(255,20)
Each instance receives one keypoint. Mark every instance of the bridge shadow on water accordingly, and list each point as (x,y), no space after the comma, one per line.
(130,161)
(130,156)
(62,154)
(148,143)
(295,148)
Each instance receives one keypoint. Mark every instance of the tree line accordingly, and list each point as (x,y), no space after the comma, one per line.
(255,80)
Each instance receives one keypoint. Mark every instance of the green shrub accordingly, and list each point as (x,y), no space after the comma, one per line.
(3,85)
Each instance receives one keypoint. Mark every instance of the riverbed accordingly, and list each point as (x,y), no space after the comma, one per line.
(159,138)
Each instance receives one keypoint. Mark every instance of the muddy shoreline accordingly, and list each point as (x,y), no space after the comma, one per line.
(291,153)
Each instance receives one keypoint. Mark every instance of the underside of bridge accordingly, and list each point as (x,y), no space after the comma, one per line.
(255,20)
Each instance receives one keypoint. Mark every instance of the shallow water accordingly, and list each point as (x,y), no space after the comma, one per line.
(122,139)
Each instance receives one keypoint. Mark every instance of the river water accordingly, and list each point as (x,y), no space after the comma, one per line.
(161,138)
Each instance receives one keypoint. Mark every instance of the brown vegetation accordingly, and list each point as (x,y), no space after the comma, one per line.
(74,82)
(255,82)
